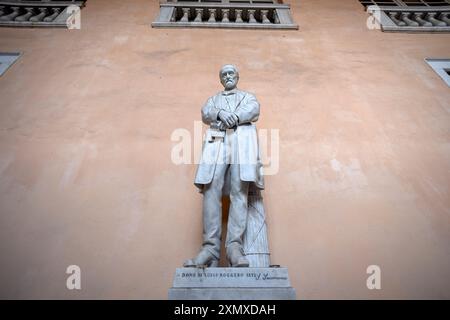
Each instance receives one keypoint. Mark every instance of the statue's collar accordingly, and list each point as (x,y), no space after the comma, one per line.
(230,92)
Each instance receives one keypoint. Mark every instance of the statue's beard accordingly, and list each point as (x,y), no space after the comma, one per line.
(229,85)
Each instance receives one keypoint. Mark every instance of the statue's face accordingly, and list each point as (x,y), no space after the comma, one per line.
(229,78)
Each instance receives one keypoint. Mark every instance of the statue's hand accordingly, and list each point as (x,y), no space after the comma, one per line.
(223,126)
(228,118)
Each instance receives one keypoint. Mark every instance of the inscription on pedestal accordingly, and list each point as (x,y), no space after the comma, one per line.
(231,277)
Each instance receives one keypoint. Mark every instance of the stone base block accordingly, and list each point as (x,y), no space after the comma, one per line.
(231,284)
(232,294)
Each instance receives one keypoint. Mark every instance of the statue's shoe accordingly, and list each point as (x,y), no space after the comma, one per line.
(202,260)
(237,258)
(241,262)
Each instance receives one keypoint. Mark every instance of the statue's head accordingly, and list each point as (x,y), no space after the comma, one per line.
(229,76)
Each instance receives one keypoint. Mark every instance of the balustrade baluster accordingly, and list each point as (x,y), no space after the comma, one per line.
(393,15)
(430,16)
(198,15)
(225,13)
(212,15)
(40,16)
(422,22)
(50,18)
(239,16)
(12,15)
(264,14)
(185,17)
(276,19)
(251,16)
(444,16)
(404,16)
(29,13)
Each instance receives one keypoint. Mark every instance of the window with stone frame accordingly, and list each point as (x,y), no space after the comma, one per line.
(252,14)
(37,13)
(425,3)
(410,15)
(441,67)
(7,59)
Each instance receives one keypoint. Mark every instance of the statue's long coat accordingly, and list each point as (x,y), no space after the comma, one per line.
(246,107)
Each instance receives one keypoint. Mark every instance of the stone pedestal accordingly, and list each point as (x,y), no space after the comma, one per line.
(231,284)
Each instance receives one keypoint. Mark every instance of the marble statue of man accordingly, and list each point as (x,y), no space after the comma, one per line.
(230,163)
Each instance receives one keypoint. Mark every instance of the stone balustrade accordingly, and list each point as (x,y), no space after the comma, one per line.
(225,15)
(47,13)
(229,15)
(412,19)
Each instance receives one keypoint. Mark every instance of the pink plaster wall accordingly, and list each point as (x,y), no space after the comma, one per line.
(86,176)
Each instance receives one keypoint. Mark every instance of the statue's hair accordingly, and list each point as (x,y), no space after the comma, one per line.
(228,66)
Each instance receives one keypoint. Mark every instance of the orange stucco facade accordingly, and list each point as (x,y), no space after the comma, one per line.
(86,176)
